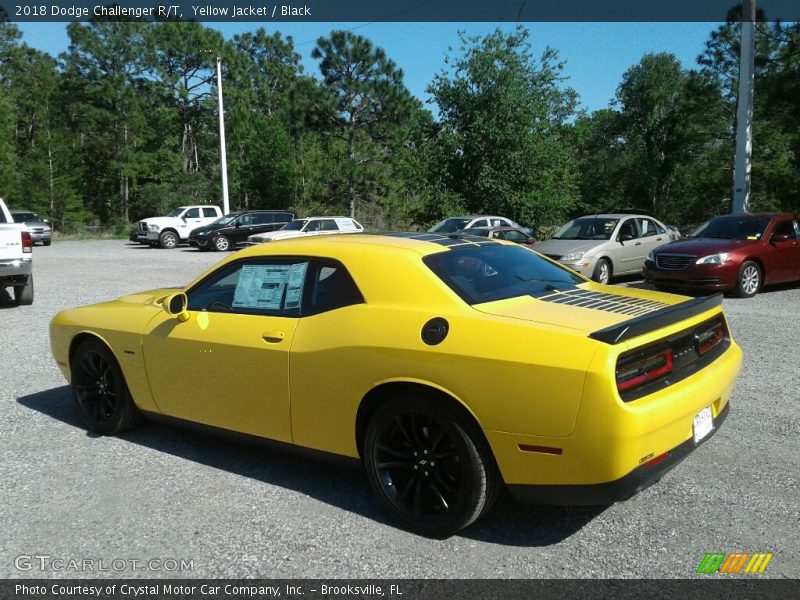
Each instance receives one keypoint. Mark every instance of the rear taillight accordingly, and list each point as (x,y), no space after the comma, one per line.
(644,370)
(706,340)
(27,244)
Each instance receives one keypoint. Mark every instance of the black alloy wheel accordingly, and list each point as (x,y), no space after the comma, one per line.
(429,466)
(101,395)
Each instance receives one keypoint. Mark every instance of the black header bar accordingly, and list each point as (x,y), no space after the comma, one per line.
(512,11)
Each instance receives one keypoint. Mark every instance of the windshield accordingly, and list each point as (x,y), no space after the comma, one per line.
(223,220)
(733,228)
(496,272)
(296,225)
(22,217)
(587,228)
(177,211)
(451,225)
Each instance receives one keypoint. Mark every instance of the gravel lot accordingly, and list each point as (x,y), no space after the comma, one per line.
(237,511)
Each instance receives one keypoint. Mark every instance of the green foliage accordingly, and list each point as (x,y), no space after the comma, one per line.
(503,140)
(124,125)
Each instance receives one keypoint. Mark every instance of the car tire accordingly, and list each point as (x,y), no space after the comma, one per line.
(222,243)
(168,240)
(23,294)
(47,242)
(99,390)
(602,271)
(402,441)
(749,280)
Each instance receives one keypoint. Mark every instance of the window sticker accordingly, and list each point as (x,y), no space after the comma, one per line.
(294,288)
(261,286)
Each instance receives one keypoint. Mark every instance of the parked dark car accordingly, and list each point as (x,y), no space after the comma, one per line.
(38,227)
(512,234)
(234,228)
(734,253)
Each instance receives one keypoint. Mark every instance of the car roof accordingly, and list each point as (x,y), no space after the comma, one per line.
(616,216)
(317,218)
(490,228)
(422,243)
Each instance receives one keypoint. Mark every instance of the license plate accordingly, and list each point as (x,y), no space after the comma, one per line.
(703,424)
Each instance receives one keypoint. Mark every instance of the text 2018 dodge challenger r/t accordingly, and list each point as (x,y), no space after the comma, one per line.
(449,365)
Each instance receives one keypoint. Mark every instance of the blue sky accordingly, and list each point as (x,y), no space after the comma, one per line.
(596,54)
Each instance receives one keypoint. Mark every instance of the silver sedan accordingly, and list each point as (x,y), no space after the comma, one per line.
(604,246)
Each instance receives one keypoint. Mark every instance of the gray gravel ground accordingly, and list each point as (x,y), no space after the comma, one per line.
(238,511)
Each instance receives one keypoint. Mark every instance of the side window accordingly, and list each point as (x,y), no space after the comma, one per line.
(259,287)
(313,226)
(328,225)
(262,218)
(646,227)
(629,228)
(245,220)
(786,227)
(330,286)
(209,212)
(659,229)
(499,223)
(192,213)
(797,228)
(480,223)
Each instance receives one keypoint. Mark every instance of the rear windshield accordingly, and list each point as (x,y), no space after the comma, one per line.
(22,217)
(451,225)
(494,272)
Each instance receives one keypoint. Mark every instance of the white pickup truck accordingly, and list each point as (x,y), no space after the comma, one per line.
(16,261)
(171,230)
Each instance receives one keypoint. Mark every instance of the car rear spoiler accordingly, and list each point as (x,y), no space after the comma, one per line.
(656,320)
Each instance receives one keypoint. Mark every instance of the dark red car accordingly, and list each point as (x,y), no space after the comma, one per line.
(734,253)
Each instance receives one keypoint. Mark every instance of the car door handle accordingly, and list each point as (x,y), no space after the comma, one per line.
(658,239)
(638,244)
(273,337)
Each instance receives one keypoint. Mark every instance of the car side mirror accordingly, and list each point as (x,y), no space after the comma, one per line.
(625,237)
(176,305)
(779,237)
(531,240)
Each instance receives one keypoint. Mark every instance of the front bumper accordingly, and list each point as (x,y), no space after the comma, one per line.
(618,490)
(203,242)
(41,236)
(717,278)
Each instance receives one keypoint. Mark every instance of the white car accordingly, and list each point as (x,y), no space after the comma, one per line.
(309,226)
(16,262)
(454,224)
(171,230)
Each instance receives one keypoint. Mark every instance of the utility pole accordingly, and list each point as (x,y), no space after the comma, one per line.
(222,156)
(744,111)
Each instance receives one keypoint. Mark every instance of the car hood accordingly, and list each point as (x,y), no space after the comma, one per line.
(203,229)
(160,220)
(584,308)
(564,247)
(705,246)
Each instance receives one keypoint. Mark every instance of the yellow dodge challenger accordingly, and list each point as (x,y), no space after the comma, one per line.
(450,366)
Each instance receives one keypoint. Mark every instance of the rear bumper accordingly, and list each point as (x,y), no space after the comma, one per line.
(17,270)
(618,490)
